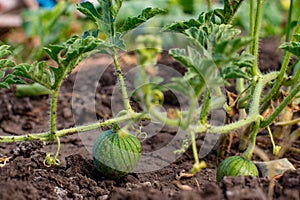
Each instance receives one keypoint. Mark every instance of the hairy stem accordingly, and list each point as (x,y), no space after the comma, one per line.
(121,82)
(209,7)
(65,132)
(53,115)
(230,127)
(288,31)
(252,18)
(194,147)
(249,151)
(255,69)
(205,106)
(253,115)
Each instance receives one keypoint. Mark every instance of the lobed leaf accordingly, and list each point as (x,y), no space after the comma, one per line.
(37,72)
(8,80)
(229,10)
(182,26)
(200,70)
(4,50)
(133,22)
(233,72)
(292,47)
(6,63)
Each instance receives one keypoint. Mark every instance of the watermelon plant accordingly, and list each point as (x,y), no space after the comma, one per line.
(216,54)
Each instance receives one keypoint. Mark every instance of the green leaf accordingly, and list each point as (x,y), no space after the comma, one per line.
(133,22)
(49,25)
(116,7)
(233,72)
(292,47)
(97,16)
(35,89)
(182,26)
(180,85)
(229,10)
(9,79)
(53,51)
(119,42)
(68,55)
(4,50)
(6,63)
(201,71)
(6,79)
(89,10)
(221,43)
(37,72)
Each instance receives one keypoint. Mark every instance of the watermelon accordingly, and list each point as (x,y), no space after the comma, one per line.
(115,154)
(236,166)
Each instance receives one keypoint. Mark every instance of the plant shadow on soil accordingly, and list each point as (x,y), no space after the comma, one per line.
(25,176)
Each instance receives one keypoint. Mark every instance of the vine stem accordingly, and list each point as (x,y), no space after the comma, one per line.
(209,6)
(194,147)
(52,161)
(254,48)
(198,166)
(252,18)
(53,115)
(60,133)
(249,151)
(254,109)
(275,147)
(121,82)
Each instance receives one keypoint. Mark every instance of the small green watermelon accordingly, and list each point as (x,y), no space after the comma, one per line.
(115,154)
(236,166)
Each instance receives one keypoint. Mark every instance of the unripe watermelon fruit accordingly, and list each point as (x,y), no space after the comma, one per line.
(116,154)
(236,166)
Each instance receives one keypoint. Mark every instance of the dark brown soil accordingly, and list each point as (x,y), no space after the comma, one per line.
(25,176)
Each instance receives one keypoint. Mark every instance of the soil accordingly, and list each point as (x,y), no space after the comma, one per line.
(25,177)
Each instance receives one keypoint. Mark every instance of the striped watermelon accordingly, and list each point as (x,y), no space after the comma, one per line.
(236,166)
(116,154)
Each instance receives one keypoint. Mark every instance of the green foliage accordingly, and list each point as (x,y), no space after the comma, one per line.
(47,27)
(105,19)
(6,64)
(133,22)
(4,52)
(293,47)
(216,52)
(66,55)
(35,89)
(214,46)
(230,8)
